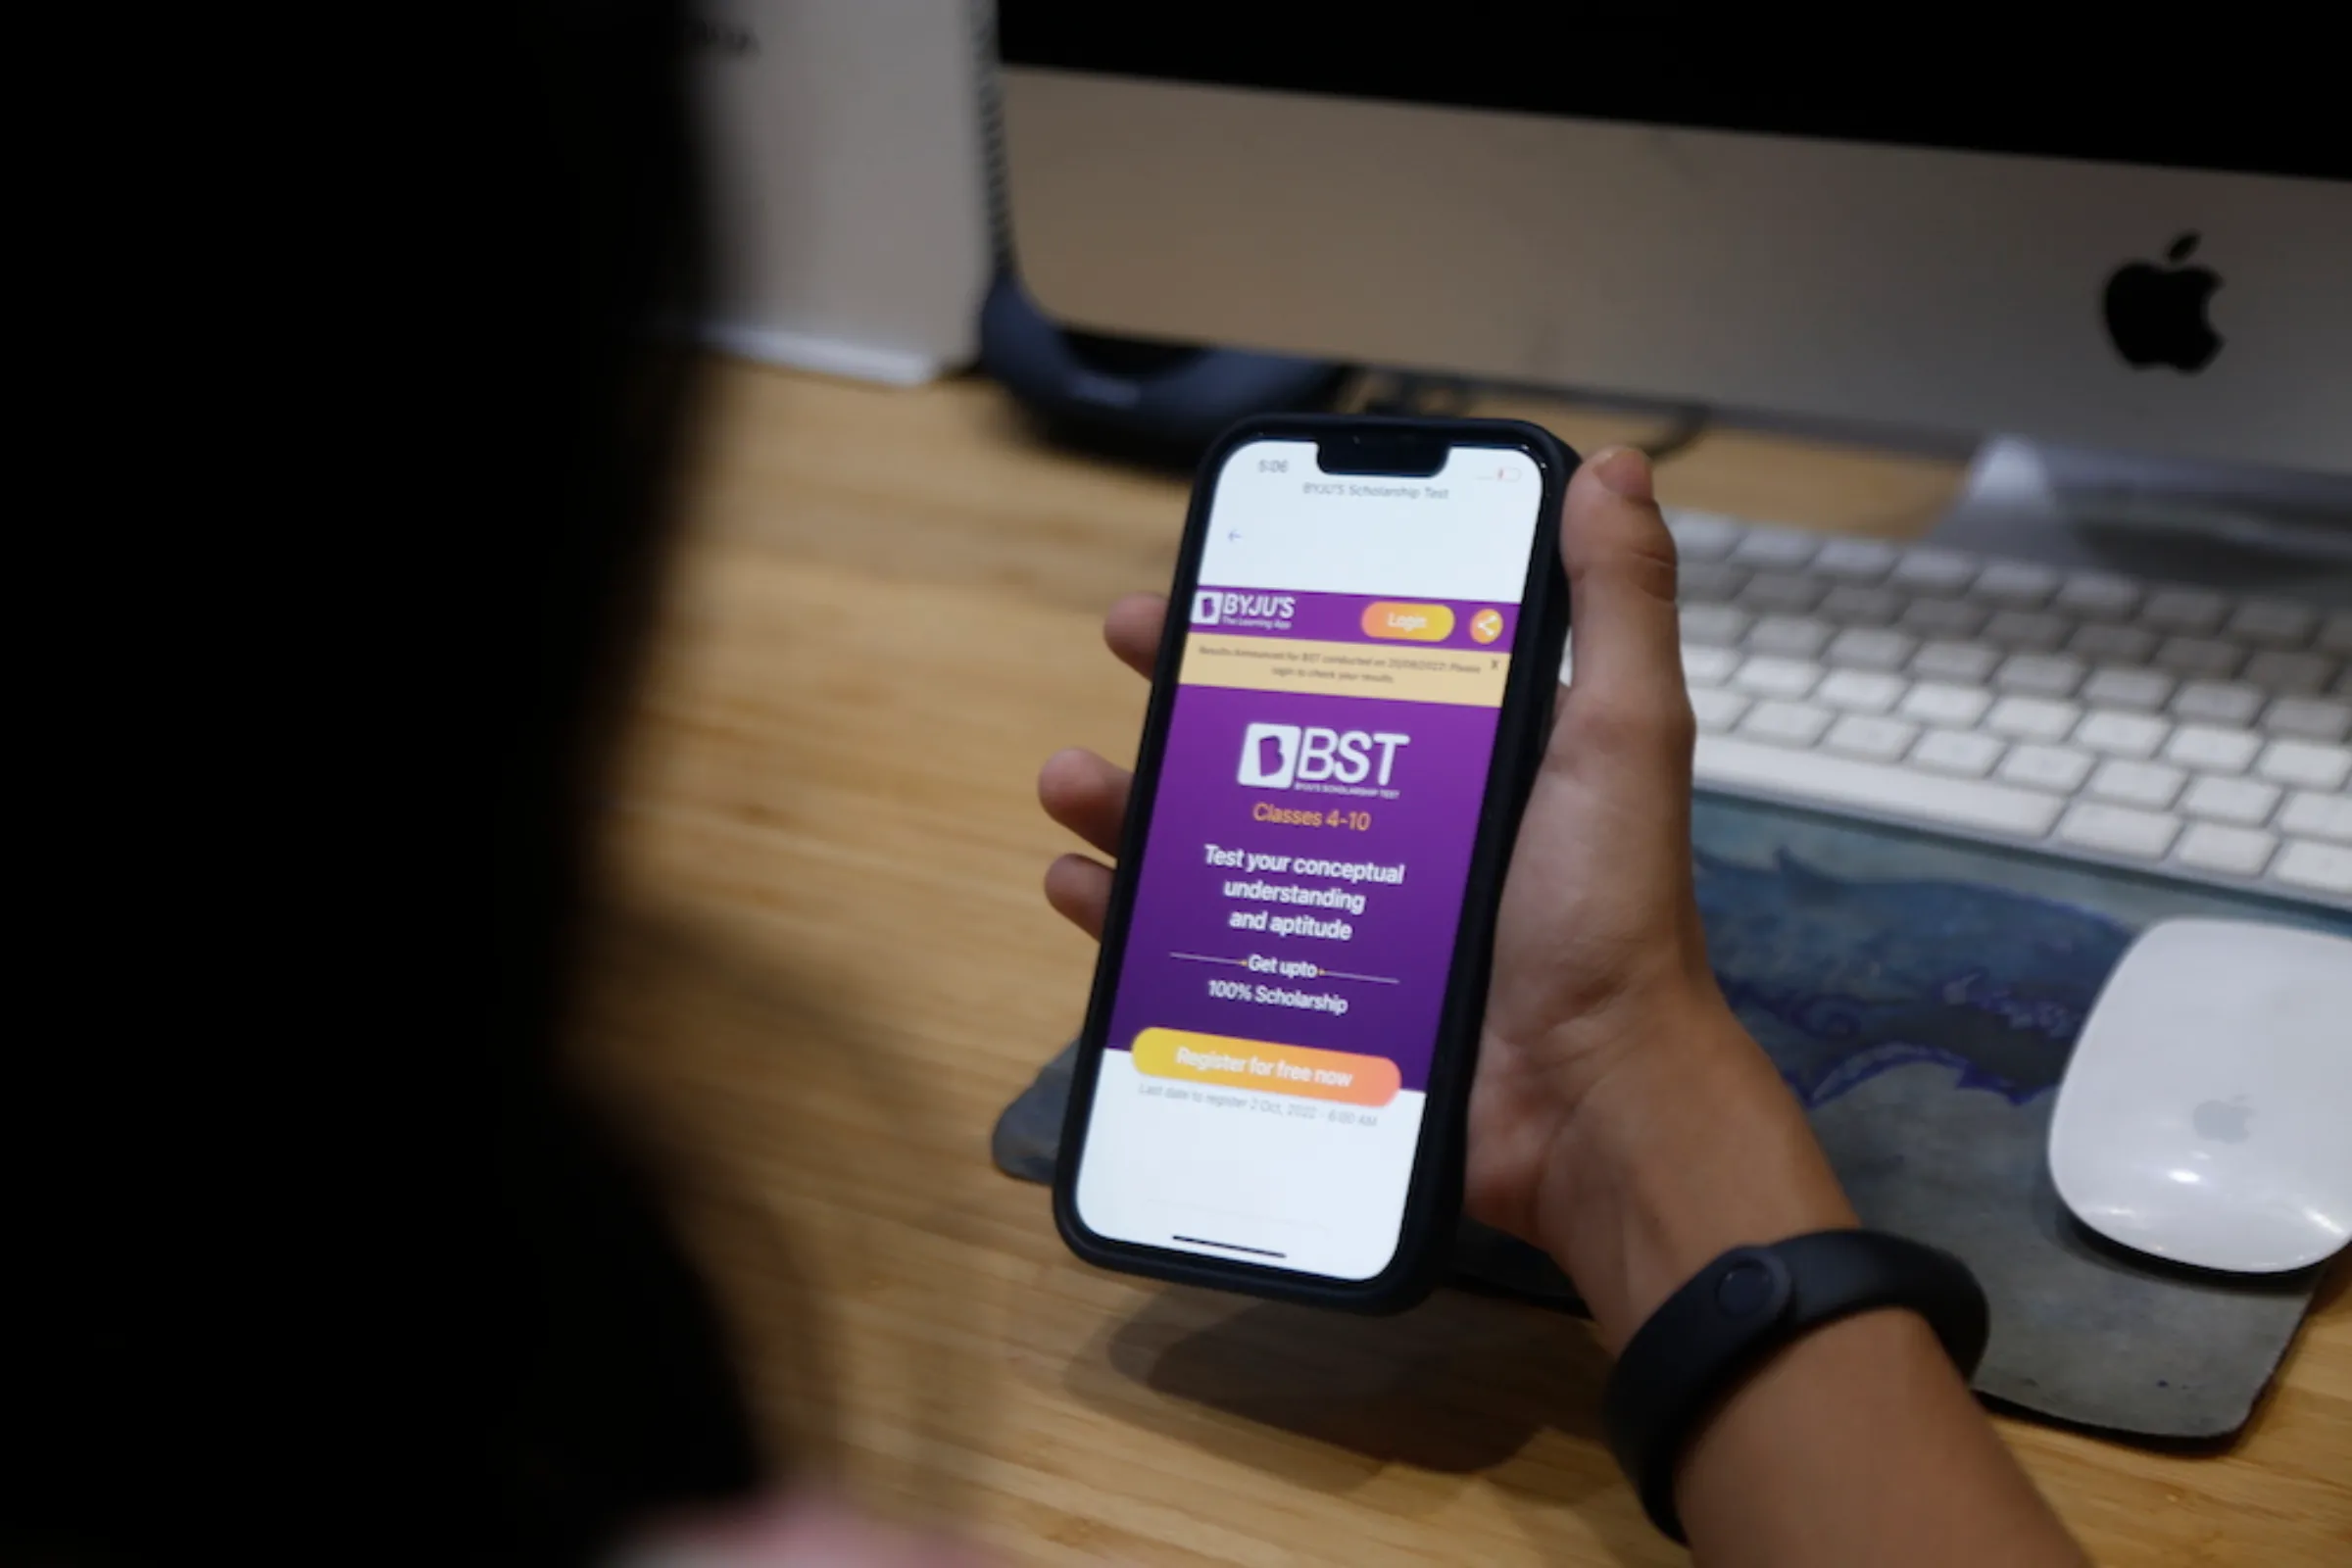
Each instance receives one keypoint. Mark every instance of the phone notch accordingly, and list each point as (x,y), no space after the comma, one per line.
(1388,454)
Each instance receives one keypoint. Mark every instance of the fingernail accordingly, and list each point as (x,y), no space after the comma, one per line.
(1623,471)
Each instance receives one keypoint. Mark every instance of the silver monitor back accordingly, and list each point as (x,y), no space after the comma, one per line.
(1925,286)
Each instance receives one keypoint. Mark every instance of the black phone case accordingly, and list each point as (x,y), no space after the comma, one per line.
(1433,1200)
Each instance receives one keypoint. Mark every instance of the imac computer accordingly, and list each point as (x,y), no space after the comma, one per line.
(2134,644)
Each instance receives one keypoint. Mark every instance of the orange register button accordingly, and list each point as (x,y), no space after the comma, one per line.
(1255,1064)
(1412,623)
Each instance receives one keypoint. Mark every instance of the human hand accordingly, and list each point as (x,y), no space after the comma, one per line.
(1620,1117)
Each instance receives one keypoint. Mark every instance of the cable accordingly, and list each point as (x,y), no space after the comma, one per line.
(1690,421)
(1408,394)
(1397,394)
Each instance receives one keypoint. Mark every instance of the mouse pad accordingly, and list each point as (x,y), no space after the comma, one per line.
(1921,996)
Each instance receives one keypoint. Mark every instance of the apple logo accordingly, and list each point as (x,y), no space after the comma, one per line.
(2223,1120)
(2156,315)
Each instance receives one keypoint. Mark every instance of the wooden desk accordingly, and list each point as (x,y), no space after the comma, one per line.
(824,964)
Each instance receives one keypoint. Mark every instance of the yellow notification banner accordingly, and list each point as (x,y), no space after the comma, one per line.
(1464,677)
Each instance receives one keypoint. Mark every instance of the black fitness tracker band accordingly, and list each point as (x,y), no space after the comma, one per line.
(1748,1303)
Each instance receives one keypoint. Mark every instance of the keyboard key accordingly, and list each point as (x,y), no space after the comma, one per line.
(1789,723)
(2216,701)
(1852,605)
(2317,816)
(1776,547)
(2037,629)
(1788,591)
(2302,764)
(2335,634)
(1819,776)
(1709,582)
(1716,709)
(2098,595)
(2113,644)
(1943,618)
(1714,623)
(1860,691)
(2044,674)
(2302,674)
(2032,718)
(1953,706)
(2312,717)
(2315,865)
(2122,734)
(2149,784)
(1880,740)
(1953,661)
(1867,648)
(1801,635)
(1956,750)
(1701,535)
(2277,622)
(1936,571)
(1857,559)
(2047,768)
(2021,583)
(2211,751)
(2184,609)
(2230,800)
(1769,675)
(2208,656)
(2118,829)
(1704,664)
(2232,851)
(2142,689)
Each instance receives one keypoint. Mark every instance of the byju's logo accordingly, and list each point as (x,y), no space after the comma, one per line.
(1222,606)
(1277,756)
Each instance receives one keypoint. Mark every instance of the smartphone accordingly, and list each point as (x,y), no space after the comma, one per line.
(1352,696)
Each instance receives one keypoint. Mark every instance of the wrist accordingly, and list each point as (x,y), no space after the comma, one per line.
(1689,1145)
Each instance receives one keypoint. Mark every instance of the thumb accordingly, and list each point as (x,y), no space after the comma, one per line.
(1627,637)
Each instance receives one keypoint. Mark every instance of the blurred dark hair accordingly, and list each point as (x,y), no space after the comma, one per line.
(441,1252)
(621,1402)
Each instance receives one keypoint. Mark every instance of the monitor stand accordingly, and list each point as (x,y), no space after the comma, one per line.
(2242,530)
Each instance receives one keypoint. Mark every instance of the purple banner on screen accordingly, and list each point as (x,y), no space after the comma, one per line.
(1304,872)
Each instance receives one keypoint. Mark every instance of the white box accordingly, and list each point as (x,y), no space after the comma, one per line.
(845,182)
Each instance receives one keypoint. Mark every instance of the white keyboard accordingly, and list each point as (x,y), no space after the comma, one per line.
(2166,727)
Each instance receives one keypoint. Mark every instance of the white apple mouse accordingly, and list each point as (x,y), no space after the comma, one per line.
(2206,1115)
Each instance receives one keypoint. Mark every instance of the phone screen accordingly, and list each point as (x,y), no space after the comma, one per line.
(1326,759)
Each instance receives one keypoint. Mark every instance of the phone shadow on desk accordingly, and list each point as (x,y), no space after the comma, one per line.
(1460,1385)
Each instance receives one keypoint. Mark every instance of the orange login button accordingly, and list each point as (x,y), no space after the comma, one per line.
(1405,623)
(1255,1064)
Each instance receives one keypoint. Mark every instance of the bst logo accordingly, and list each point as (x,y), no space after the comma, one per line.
(1275,757)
